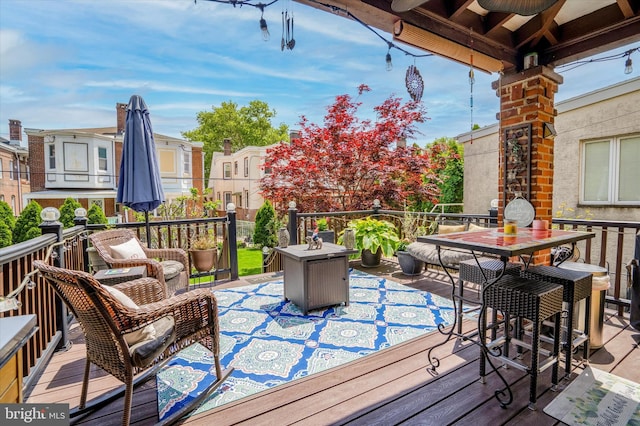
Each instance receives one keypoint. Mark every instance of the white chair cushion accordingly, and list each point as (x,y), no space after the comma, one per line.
(473,227)
(129,250)
(146,333)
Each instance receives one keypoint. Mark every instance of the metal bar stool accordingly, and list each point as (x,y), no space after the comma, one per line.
(526,299)
(576,286)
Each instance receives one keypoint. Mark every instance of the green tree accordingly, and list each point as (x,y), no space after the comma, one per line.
(67,212)
(96,215)
(6,215)
(27,223)
(245,126)
(266,223)
(6,237)
(448,165)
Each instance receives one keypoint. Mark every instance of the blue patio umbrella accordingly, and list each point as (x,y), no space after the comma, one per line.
(140,185)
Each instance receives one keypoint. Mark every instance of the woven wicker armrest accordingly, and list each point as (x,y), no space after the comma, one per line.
(154,268)
(194,310)
(177,254)
(143,290)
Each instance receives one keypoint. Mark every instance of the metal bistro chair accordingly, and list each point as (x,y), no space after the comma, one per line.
(109,322)
(172,270)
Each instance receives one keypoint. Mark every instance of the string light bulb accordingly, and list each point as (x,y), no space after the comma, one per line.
(628,68)
(263,24)
(388,57)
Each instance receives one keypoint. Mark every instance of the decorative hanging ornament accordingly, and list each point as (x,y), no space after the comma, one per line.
(415,85)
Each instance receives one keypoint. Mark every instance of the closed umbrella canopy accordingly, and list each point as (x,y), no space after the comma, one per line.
(140,185)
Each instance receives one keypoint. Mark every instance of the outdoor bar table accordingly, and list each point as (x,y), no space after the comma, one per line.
(493,241)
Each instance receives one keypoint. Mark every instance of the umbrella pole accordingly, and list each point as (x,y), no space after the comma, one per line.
(146,220)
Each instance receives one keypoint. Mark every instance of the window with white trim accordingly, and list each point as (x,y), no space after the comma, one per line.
(11,170)
(102,159)
(610,172)
(52,156)
(186,165)
(227,198)
(246,166)
(246,199)
(227,170)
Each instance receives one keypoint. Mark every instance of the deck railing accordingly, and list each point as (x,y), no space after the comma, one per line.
(612,248)
(16,263)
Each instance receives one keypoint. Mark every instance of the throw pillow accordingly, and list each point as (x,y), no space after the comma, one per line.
(146,333)
(448,229)
(473,227)
(129,250)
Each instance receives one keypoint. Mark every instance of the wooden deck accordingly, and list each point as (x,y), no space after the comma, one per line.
(390,387)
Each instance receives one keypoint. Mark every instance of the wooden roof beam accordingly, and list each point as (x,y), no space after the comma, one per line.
(533,31)
(626,8)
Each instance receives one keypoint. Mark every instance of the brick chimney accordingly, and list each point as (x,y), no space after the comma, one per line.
(227,146)
(15,132)
(121,114)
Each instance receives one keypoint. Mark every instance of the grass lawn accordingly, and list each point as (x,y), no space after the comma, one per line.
(249,261)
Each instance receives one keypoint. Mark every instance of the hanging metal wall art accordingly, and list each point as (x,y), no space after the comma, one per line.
(517,162)
(414,83)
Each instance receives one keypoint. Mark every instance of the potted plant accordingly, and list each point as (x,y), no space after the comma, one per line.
(374,238)
(203,250)
(410,227)
(322,229)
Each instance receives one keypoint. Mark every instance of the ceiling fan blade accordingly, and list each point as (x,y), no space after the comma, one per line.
(405,5)
(519,7)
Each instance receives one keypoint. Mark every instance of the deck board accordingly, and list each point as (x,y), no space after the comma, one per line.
(392,386)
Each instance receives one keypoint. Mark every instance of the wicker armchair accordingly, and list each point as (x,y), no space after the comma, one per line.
(172,270)
(106,322)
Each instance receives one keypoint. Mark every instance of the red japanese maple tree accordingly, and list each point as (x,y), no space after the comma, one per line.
(348,162)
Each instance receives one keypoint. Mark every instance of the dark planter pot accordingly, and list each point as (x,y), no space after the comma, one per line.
(409,264)
(203,260)
(327,236)
(370,260)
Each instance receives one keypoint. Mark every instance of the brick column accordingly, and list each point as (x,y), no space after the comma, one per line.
(527,97)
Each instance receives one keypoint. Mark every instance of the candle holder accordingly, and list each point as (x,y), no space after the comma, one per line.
(510,227)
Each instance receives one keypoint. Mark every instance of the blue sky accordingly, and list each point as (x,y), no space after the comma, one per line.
(66,63)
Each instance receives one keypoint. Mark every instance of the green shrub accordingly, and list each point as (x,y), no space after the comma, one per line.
(266,225)
(6,237)
(68,212)
(28,219)
(7,216)
(95,215)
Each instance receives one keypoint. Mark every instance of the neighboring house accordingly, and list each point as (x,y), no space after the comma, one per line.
(14,168)
(84,164)
(596,157)
(235,178)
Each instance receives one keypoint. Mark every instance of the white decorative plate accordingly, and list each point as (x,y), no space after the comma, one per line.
(521,211)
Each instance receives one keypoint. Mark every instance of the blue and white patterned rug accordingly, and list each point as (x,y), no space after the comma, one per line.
(270,342)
